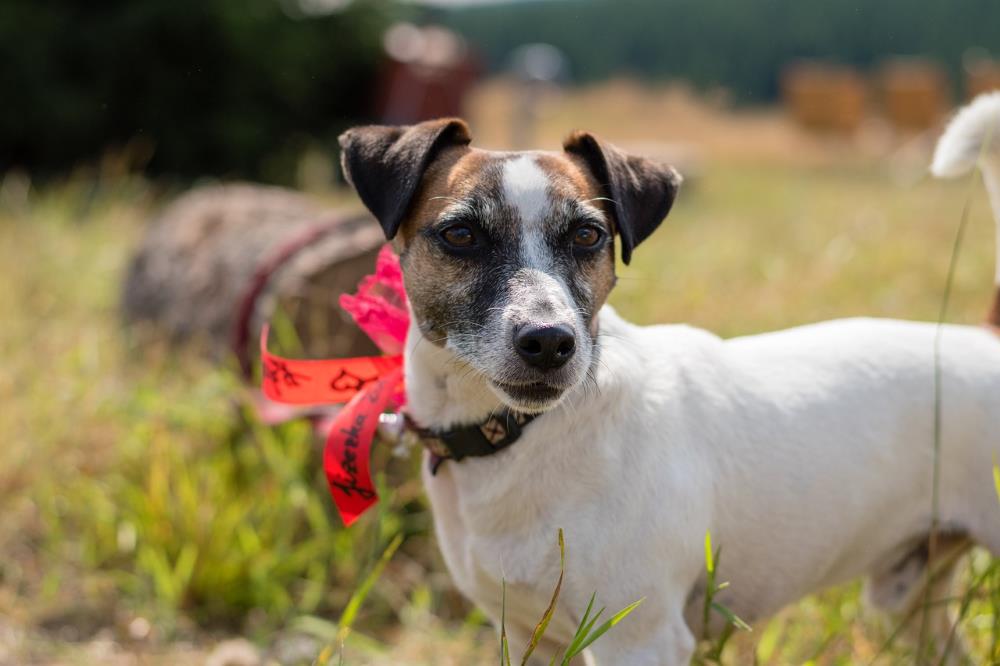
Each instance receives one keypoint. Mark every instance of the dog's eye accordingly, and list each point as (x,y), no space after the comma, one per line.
(458,235)
(586,236)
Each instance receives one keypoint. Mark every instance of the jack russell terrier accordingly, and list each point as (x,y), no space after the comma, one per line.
(807,453)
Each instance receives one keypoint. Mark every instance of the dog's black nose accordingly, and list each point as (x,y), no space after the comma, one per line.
(545,347)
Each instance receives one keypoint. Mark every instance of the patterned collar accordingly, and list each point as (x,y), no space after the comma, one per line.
(473,441)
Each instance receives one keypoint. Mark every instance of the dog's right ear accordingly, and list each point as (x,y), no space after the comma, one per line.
(385,164)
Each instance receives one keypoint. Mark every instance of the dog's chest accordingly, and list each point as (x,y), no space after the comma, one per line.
(501,526)
(497,521)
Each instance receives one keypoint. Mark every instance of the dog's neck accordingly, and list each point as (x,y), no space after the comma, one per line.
(442,391)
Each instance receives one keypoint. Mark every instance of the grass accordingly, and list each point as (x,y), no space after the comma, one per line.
(587,631)
(714,646)
(135,485)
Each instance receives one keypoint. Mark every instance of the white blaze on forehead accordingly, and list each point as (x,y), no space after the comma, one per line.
(526,188)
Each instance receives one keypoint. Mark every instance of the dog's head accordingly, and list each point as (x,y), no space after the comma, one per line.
(508,256)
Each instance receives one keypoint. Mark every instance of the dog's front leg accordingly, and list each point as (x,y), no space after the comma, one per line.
(658,641)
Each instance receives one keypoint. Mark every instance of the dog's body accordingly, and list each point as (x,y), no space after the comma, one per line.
(808,454)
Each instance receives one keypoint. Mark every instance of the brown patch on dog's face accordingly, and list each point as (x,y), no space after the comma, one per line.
(432,280)
(540,253)
(573,178)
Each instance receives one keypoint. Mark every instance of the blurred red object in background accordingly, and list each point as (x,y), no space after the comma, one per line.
(426,74)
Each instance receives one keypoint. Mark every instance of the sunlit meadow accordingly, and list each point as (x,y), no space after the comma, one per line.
(147,516)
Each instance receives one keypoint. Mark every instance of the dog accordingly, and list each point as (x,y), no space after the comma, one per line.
(807,454)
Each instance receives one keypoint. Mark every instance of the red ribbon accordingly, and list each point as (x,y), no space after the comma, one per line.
(369,385)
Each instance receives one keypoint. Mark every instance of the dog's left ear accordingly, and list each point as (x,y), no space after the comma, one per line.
(385,164)
(641,191)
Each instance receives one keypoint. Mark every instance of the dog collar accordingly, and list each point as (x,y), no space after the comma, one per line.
(473,441)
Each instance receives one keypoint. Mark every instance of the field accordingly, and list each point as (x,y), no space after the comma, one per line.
(147,517)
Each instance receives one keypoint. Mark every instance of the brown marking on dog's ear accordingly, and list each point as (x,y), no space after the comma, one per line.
(386,164)
(642,191)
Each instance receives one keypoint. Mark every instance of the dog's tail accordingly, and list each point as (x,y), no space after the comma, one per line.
(974,133)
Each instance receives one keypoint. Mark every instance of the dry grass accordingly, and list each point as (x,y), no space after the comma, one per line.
(111,451)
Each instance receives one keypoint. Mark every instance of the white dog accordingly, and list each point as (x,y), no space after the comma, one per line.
(808,453)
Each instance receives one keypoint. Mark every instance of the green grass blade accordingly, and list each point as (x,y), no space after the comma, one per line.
(731,617)
(184,567)
(710,587)
(586,623)
(357,598)
(709,561)
(543,624)
(996,479)
(504,645)
(354,604)
(575,646)
(586,613)
(603,629)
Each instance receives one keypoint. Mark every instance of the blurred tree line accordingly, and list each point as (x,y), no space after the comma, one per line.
(187,87)
(740,45)
(242,87)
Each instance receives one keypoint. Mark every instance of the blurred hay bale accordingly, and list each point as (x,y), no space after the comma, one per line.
(824,97)
(218,250)
(915,93)
(981,76)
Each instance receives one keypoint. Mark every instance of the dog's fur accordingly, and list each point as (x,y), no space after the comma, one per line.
(808,453)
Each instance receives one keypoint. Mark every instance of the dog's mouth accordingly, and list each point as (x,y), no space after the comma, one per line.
(530,397)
